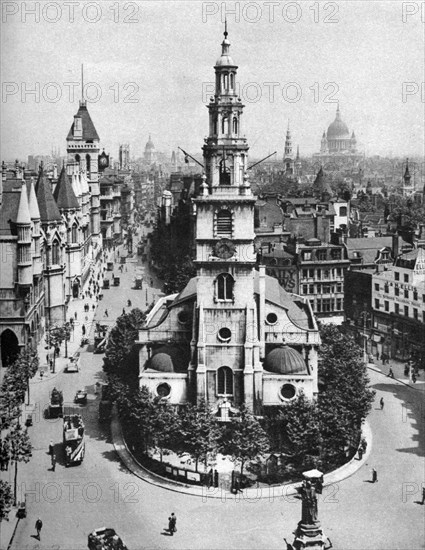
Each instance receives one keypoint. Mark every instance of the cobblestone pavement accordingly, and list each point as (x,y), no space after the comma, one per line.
(355,513)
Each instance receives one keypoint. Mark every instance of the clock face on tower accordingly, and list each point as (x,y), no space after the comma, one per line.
(224,249)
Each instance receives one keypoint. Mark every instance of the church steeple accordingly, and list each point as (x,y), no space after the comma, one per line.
(225,151)
(288,157)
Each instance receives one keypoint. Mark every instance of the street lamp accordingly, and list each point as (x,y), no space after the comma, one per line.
(366,317)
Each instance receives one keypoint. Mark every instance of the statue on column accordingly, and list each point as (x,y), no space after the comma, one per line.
(309,503)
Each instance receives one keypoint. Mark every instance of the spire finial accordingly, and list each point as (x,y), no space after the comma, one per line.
(82,83)
(225,28)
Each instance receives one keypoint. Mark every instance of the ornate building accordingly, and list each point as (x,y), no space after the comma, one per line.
(233,335)
(337,145)
(149,155)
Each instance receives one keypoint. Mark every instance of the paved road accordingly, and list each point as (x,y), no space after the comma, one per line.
(355,514)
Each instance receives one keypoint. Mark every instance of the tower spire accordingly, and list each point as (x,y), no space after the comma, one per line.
(82,85)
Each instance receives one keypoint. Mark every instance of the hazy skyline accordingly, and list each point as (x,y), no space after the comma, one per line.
(357,53)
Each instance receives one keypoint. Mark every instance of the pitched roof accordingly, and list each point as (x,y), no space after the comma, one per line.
(89,131)
(49,210)
(34,210)
(64,194)
(23,217)
(10,206)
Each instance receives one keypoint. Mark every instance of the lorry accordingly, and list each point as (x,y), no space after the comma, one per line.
(73,439)
(73,364)
(56,404)
(105,539)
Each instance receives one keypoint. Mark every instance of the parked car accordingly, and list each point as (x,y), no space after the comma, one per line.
(73,363)
(105,539)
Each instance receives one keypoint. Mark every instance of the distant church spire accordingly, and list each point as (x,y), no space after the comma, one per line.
(83,101)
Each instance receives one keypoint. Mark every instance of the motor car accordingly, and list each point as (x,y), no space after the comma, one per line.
(73,364)
(81,397)
(105,538)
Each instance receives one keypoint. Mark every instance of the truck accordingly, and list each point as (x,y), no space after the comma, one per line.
(73,364)
(105,539)
(56,404)
(73,439)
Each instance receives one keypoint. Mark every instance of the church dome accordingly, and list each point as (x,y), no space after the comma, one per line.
(149,145)
(168,359)
(338,129)
(285,360)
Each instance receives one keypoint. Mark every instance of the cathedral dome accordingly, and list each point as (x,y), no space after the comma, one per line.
(149,145)
(338,129)
(285,360)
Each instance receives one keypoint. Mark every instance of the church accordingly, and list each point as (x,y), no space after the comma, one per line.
(337,145)
(233,335)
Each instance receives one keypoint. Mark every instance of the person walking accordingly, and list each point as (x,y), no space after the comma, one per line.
(172,524)
(381,402)
(390,373)
(53,462)
(423,496)
(106,313)
(374,475)
(83,329)
(51,448)
(75,315)
(38,526)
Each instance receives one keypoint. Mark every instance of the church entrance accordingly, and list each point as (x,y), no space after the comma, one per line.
(9,347)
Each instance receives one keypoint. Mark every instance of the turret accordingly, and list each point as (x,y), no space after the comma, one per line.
(288,158)
(23,224)
(36,233)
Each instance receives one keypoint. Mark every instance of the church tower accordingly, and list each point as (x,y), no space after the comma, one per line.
(288,157)
(83,150)
(225,256)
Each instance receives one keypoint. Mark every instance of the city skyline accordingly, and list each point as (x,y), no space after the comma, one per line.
(155,75)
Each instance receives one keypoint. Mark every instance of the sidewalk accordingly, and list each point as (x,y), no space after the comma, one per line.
(398,370)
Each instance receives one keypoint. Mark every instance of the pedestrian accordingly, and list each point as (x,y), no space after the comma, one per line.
(93,306)
(381,402)
(414,377)
(38,526)
(75,315)
(377,355)
(151,282)
(360,453)
(383,358)
(53,462)
(51,448)
(106,313)
(363,445)
(374,475)
(390,373)
(51,364)
(83,330)
(172,521)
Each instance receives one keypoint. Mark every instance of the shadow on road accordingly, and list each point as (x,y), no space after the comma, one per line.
(411,412)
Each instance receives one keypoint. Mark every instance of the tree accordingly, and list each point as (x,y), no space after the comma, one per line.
(200,433)
(165,425)
(6,499)
(244,439)
(20,451)
(345,399)
(121,357)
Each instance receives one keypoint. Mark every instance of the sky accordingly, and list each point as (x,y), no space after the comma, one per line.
(148,69)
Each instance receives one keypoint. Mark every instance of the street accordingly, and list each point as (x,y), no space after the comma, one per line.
(74,501)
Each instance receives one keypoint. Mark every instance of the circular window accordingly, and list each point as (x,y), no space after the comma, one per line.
(288,391)
(271,318)
(183,317)
(163,390)
(224,334)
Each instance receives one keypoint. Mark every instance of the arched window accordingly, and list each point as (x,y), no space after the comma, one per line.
(55,253)
(224,125)
(74,234)
(224,224)
(224,381)
(235,125)
(232,81)
(215,126)
(88,164)
(225,284)
(77,158)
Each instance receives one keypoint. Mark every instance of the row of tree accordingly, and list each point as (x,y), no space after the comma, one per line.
(15,446)
(320,433)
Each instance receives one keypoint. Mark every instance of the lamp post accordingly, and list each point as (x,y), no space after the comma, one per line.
(366,317)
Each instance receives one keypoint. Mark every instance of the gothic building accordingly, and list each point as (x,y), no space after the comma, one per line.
(232,335)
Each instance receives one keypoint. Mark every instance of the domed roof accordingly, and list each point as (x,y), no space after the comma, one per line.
(285,360)
(338,129)
(149,144)
(168,359)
